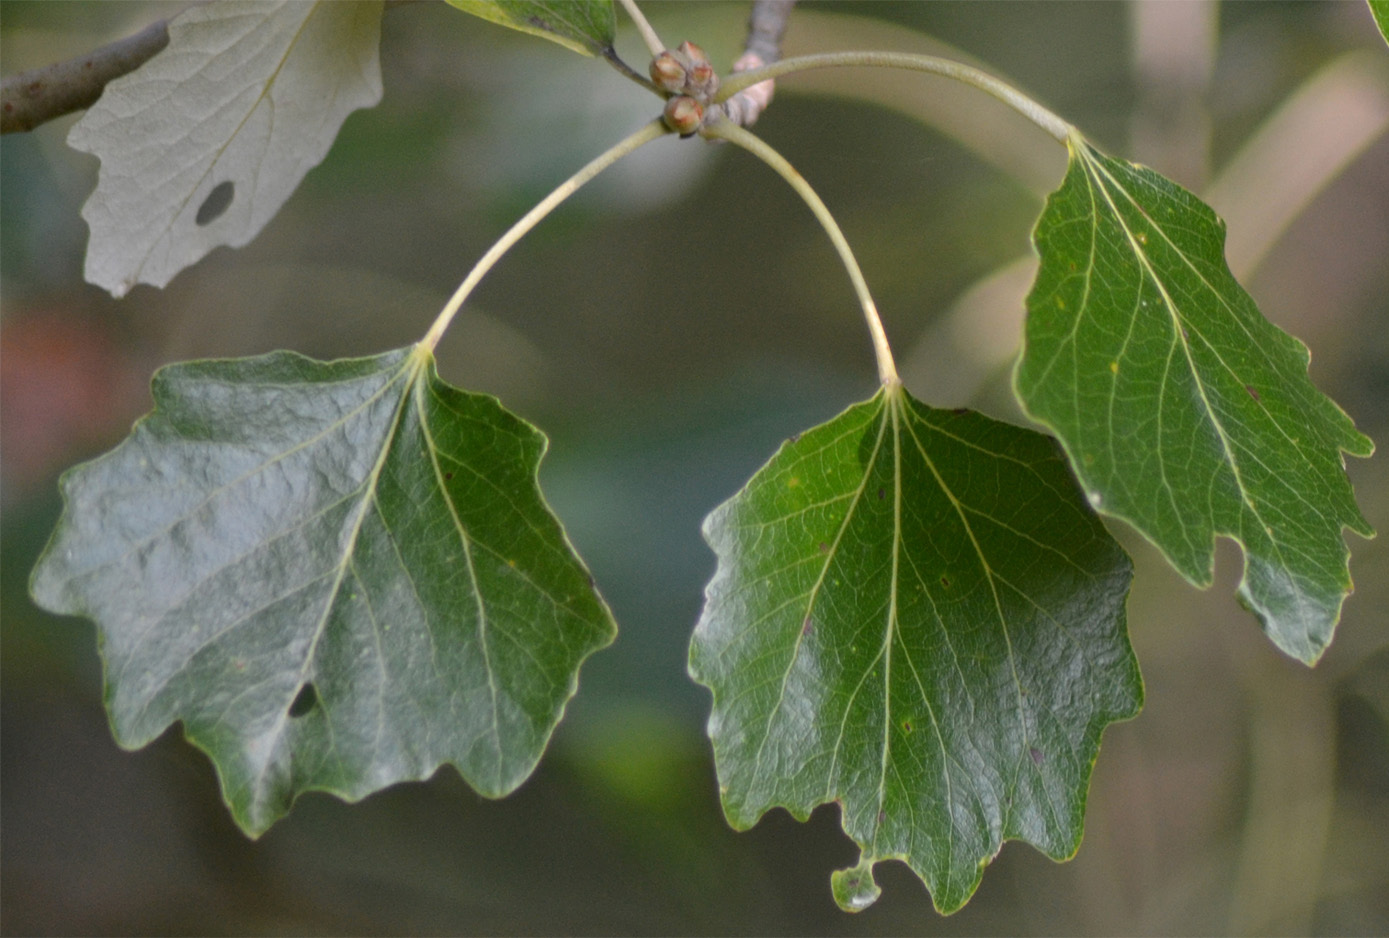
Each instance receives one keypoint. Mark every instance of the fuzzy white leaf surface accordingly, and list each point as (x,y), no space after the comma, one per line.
(201,145)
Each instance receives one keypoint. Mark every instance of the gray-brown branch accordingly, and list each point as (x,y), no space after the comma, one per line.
(766,26)
(37,96)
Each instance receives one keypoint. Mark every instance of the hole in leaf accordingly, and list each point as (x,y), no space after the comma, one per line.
(304,701)
(217,202)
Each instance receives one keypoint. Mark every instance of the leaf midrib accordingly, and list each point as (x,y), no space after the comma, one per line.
(993,580)
(211,495)
(810,601)
(466,541)
(221,149)
(414,365)
(1180,339)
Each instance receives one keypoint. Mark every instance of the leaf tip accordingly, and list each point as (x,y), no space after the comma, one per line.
(855,889)
(1364,447)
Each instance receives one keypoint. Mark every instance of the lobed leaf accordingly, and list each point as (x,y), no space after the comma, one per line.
(915,614)
(1183,410)
(337,575)
(587,26)
(201,145)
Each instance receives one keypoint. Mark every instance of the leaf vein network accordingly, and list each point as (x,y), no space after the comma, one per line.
(1177,325)
(276,458)
(482,618)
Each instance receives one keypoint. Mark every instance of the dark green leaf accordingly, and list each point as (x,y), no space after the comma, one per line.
(915,615)
(586,26)
(337,575)
(1183,410)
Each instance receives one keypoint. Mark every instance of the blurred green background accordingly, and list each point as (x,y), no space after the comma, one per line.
(668,328)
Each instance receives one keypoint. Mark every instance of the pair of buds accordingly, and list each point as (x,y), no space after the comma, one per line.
(685,73)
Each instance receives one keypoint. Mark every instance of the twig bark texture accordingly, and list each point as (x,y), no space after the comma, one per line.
(766,26)
(39,95)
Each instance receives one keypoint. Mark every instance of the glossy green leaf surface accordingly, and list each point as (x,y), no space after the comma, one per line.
(337,575)
(1183,410)
(586,26)
(915,615)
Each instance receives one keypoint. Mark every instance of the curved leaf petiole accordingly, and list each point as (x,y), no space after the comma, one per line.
(725,129)
(648,34)
(1039,115)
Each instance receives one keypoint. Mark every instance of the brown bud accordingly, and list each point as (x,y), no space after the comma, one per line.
(703,81)
(667,72)
(683,114)
(694,53)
